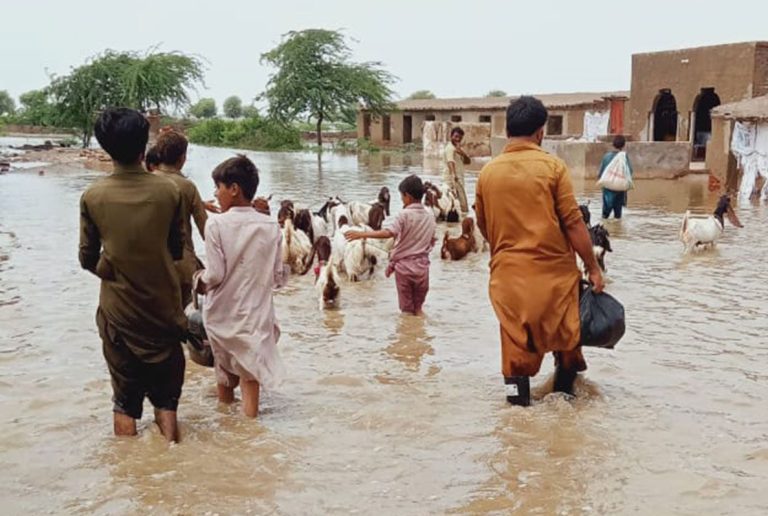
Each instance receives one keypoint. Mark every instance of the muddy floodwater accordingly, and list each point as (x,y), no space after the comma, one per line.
(383,414)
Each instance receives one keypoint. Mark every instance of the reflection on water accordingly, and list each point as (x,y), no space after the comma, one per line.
(401,414)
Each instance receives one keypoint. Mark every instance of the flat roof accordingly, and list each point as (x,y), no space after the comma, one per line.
(550,100)
(703,47)
(749,109)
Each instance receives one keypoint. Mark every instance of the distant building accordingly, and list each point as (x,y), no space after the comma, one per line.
(405,124)
(673,92)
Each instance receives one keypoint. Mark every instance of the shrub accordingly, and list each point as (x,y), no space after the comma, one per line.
(251,133)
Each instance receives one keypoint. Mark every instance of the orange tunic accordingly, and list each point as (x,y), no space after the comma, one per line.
(524,201)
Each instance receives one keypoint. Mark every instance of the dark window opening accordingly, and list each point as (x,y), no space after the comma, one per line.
(455,118)
(665,117)
(485,119)
(555,125)
(386,128)
(429,118)
(367,125)
(407,129)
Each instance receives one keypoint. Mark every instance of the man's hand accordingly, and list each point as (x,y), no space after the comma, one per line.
(211,206)
(261,205)
(353,235)
(597,281)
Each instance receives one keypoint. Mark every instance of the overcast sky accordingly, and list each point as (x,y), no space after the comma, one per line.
(454,48)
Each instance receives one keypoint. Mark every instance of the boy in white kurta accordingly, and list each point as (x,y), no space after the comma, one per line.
(242,248)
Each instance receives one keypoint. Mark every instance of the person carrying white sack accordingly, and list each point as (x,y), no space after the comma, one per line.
(615,177)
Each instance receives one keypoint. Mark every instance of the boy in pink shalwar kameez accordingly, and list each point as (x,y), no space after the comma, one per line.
(414,234)
(242,247)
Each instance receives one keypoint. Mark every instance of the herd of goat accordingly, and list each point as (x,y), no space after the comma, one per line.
(318,237)
(311,237)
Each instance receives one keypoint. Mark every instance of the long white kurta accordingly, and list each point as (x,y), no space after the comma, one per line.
(242,248)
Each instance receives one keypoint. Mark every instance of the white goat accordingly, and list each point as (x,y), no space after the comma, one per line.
(703,232)
(296,247)
(359,256)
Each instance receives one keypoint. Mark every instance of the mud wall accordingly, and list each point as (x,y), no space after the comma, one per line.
(732,70)
(650,160)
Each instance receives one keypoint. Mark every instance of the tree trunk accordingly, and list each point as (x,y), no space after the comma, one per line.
(320,132)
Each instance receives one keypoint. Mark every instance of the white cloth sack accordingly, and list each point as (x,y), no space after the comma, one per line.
(617,176)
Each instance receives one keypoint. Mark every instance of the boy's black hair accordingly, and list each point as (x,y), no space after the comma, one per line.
(151,159)
(238,170)
(619,141)
(413,186)
(123,133)
(171,145)
(457,130)
(525,116)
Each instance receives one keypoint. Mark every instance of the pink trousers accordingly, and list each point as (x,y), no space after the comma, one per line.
(412,290)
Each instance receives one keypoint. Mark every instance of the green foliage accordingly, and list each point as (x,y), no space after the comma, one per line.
(233,107)
(127,79)
(316,78)
(422,94)
(7,104)
(496,93)
(255,133)
(205,108)
(161,81)
(365,145)
(251,111)
(35,109)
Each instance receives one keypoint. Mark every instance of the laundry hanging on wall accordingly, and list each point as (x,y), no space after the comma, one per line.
(595,125)
(749,143)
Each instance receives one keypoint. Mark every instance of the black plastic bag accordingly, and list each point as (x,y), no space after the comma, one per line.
(196,340)
(602,319)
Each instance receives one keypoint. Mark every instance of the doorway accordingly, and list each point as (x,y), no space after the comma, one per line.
(407,129)
(702,122)
(665,117)
(367,126)
(386,128)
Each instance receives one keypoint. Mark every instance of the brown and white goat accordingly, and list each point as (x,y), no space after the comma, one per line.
(327,284)
(459,247)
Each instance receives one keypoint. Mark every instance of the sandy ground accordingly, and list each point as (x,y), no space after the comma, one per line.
(23,157)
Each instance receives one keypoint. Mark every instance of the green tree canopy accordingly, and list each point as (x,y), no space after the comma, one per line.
(7,104)
(204,108)
(421,94)
(154,80)
(233,107)
(36,108)
(317,79)
(251,112)
(496,93)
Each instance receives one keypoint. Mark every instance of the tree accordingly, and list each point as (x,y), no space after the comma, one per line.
(233,107)
(205,108)
(155,80)
(251,112)
(36,108)
(496,93)
(7,104)
(317,80)
(421,94)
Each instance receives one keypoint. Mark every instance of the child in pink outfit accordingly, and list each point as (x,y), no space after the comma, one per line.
(414,234)
(242,247)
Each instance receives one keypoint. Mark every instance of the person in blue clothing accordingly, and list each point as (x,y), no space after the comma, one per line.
(614,202)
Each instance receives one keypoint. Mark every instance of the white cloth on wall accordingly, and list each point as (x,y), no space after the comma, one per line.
(750,146)
(595,124)
(743,139)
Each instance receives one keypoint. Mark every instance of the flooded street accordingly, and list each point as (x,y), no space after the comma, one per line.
(397,415)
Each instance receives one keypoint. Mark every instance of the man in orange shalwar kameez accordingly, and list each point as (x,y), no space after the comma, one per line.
(527,211)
